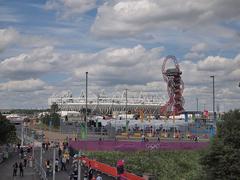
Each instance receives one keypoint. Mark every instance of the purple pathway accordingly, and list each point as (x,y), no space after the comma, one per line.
(93,145)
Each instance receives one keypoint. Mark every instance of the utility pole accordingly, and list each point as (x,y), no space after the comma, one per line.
(214,116)
(22,134)
(126,104)
(79,166)
(33,145)
(41,150)
(197,103)
(54,159)
(86,103)
(126,113)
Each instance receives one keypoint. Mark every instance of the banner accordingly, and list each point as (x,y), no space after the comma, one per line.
(127,123)
(141,116)
(193,117)
(83,131)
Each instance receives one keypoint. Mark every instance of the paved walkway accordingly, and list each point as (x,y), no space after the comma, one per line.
(64,175)
(6,170)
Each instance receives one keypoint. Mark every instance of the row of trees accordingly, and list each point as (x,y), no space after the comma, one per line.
(222,160)
(7,131)
(51,119)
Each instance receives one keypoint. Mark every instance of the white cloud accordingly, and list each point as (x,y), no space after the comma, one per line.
(216,63)
(8,37)
(67,8)
(200,47)
(24,85)
(131,17)
(196,52)
(23,66)
(121,66)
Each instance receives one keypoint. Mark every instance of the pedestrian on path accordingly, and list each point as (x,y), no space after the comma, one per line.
(21,168)
(99,177)
(90,172)
(15,166)
(63,162)
(85,177)
(59,152)
(25,162)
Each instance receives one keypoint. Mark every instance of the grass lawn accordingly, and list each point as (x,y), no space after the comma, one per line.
(165,165)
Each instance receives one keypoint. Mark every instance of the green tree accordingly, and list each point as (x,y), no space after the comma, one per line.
(7,131)
(222,161)
(53,117)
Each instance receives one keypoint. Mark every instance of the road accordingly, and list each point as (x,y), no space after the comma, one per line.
(63,175)
(6,170)
(48,155)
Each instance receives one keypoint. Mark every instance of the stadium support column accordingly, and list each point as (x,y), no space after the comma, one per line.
(86,110)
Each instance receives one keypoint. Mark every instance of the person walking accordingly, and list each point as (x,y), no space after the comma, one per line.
(90,172)
(63,162)
(99,177)
(25,162)
(21,168)
(15,166)
(56,165)
(59,152)
(85,177)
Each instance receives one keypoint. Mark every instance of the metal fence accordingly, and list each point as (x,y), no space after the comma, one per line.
(40,170)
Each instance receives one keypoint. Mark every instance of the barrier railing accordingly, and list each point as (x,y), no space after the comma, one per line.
(40,170)
(109,170)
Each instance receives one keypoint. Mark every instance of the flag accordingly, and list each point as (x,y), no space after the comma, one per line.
(127,123)
(205,113)
(141,116)
(83,131)
(193,117)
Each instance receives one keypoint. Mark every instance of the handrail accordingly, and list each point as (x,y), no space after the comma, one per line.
(112,171)
(40,169)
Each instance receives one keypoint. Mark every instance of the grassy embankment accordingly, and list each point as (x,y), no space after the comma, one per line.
(165,165)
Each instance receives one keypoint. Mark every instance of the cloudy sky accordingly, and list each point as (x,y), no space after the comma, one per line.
(46,46)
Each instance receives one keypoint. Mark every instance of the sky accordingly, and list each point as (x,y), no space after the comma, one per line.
(46,46)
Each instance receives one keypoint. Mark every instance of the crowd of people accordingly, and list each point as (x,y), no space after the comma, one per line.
(24,154)
(64,162)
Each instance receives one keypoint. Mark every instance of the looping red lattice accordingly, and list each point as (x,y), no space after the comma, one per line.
(175,86)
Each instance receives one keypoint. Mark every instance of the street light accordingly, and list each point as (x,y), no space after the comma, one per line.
(54,161)
(214,115)
(22,138)
(86,103)
(41,150)
(126,113)
(79,166)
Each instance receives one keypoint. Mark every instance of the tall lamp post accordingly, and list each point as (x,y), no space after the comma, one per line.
(126,113)
(86,103)
(214,115)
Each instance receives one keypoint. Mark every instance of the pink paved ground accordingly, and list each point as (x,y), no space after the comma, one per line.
(94,145)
